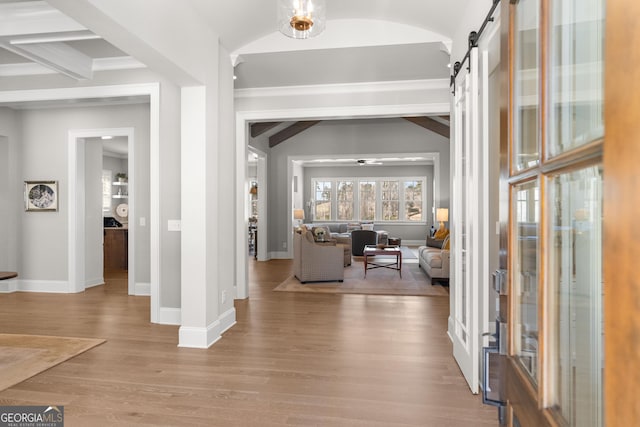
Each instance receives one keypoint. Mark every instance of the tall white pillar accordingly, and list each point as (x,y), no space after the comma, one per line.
(200,326)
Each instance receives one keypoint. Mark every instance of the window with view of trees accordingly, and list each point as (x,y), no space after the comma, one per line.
(323,200)
(400,199)
(345,200)
(390,201)
(413,200)
(367,200)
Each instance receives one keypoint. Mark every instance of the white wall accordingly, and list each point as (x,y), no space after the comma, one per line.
(44,156)
(354,137)
(226,174)
(11,197)
(4,203)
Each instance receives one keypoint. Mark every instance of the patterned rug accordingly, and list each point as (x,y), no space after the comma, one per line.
(379,281)
(23,356)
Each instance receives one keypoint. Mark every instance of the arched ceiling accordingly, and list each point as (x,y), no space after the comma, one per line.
(240,22)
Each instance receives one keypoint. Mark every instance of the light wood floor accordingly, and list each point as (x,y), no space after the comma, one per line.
(292,359)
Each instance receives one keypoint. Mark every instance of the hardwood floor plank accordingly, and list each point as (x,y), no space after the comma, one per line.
(291,359)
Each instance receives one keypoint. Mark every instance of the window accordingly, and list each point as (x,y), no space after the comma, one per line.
(390,201)
(106,192)
(345,200)
(399,199)
(322,199)
(413,200)
(367,200)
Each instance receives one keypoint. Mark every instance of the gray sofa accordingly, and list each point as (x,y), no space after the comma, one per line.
(341,231)
(433,259)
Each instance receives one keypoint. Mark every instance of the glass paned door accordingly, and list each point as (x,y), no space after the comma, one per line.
(555,176)
(576,277)
(526,85)
(464,251)
(577,114)
(526,209)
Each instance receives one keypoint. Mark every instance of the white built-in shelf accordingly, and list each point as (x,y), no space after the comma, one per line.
(119,194)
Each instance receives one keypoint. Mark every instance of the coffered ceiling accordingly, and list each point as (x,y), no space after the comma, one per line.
(36,39)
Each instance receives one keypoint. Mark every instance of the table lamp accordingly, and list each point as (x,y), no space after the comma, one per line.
(298,214)
(442,215)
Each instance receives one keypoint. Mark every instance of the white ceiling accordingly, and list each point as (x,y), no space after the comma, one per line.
(365,41)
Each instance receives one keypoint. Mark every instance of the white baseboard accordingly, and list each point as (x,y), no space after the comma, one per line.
(194,337)
(227,320)
(8,286)
(142,289)
(169,316)
(94,282)
(279,255)
(47,286)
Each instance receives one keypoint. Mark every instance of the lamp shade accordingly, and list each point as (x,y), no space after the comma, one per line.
(301,19)
(298,214)
(442,214)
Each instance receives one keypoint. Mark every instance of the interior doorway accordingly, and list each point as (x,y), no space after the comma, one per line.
(90,207)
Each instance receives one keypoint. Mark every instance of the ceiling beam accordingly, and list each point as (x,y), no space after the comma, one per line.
(34,17)
(430,124)
(258,129)
(292,130)
(57,56)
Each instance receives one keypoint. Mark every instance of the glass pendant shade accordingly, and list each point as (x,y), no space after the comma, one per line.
(301,19)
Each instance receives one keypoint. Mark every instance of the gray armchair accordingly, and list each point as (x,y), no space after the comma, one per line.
(361,238)
(317,262)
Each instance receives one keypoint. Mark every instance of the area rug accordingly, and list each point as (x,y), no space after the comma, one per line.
(23,356)
(379,281)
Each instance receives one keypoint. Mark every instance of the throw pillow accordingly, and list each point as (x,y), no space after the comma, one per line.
(446,244)
(434,243)
(353,226)
(441,234)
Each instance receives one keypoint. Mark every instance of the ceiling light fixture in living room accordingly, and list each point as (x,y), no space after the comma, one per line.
(301,19)
(363,162)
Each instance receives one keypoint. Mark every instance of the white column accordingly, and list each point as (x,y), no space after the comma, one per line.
(200,326)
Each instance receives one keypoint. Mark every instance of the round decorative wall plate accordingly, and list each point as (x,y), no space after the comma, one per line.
(122,210)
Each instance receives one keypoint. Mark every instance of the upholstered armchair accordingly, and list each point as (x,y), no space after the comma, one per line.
(361,238)
(317,262)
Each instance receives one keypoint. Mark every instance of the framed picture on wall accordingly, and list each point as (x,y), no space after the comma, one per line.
(41,195)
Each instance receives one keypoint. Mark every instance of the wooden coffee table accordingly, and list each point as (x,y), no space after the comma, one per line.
(372,250)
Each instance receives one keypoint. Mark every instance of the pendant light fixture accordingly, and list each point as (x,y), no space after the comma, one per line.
(301,19)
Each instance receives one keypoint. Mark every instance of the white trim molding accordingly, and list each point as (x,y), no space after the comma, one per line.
(142,289)
(45,286)
(169,316)
(192,337)
(344,88)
